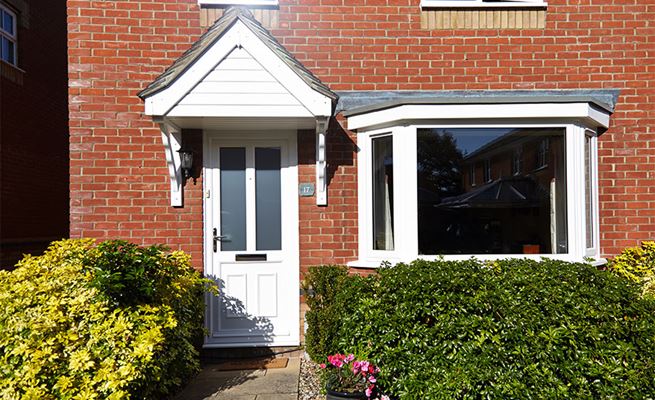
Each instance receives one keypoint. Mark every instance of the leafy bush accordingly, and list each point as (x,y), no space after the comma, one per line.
(64,335)
(511,329)
(638,265)
(649,287)
(328,291)
(128,274)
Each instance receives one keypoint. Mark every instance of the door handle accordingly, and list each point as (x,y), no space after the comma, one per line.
(216,238)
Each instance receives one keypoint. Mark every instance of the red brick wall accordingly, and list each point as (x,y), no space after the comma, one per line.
(119,184)
(33,134)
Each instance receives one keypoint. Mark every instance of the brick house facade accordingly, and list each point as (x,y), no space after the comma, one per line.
(596,53)
(33,128)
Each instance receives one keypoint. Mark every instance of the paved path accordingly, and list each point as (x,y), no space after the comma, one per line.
(260,384)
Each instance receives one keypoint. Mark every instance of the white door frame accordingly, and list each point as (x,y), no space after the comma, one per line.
(290,223)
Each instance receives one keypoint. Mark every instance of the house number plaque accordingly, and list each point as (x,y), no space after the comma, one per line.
(306,189)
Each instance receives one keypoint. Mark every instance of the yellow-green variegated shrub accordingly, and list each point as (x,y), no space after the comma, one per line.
(638,265)
(62,338)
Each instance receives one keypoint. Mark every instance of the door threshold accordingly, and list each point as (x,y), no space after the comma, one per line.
(217,355)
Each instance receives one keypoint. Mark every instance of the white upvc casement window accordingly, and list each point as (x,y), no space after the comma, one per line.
(417,198)
(258,3)
(483,3)
(8,36)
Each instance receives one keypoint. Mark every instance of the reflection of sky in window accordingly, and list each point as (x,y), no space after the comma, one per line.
(470,139)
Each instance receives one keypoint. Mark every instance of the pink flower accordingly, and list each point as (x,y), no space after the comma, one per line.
(364,365)
(349,358)
(372,379)
(356,366)
(369,391)
(322,366)
(336,360)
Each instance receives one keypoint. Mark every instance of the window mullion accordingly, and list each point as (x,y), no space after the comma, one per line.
(364,200)
(406,201)
(575,182)
(593,251)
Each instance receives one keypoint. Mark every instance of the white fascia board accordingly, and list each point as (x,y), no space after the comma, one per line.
(239,35)
(420,112)
(317,103)
(239,111)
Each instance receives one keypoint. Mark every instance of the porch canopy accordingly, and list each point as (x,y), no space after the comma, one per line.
(237,76)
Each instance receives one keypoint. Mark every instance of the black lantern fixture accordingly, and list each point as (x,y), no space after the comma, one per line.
(186,161)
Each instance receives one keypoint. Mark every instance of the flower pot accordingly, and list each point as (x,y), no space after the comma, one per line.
(332,395)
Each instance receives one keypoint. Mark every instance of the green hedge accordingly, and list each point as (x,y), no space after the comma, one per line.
(114,321)
(329,292)
(511,329)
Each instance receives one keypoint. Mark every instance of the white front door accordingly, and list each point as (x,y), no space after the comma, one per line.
(251,239)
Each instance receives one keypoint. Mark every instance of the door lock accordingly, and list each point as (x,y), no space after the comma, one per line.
(216,238)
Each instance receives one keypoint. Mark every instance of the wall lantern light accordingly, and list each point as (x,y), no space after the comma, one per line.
(186,161)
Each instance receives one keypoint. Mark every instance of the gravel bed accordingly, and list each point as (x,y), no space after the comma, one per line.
(309,387)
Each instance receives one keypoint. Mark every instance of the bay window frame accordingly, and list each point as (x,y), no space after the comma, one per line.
(405,207)
(594,250)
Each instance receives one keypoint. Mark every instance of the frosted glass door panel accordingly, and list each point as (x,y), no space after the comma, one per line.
(233,198)
(269,195)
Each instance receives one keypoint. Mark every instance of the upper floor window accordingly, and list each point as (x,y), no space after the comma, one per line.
(7,35)
(487,171)
(482,3)
(542,154)
(472,175)
(238,2)
(517,161)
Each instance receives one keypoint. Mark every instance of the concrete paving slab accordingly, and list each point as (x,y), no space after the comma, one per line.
(277,396)
(232,396)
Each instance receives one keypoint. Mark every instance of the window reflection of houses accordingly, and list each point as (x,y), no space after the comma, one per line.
(492,191)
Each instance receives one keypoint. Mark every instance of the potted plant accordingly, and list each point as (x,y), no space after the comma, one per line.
(347,378)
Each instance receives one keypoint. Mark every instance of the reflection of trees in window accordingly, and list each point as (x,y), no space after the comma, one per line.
(439,163)
(514,211)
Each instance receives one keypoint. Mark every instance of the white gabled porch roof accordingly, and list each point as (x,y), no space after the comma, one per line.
(237,75)
(240,57)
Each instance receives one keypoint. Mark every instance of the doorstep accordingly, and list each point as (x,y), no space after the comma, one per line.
(214,383)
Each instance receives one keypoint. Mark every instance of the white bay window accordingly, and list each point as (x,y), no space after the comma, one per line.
(535,194)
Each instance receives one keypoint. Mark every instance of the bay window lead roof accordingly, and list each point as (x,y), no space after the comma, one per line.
(361,102)
(214,33)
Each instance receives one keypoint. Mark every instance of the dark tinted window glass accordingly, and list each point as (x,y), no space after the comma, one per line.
(382,193)
(8,23)
(515,211)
